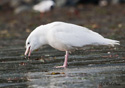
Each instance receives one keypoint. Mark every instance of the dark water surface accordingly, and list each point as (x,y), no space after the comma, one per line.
(95,67)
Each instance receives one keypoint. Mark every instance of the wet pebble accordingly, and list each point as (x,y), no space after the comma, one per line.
(22,63)
(56,73)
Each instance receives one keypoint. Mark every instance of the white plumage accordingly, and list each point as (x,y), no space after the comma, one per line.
(44,6)
(65,37)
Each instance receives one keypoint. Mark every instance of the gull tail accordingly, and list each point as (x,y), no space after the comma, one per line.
(111,42)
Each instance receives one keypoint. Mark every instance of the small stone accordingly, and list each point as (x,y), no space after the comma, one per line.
(22,63)
(109,52)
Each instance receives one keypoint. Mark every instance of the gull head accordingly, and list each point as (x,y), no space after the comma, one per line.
(32,44)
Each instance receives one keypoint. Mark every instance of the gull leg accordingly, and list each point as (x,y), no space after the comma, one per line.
(65,61)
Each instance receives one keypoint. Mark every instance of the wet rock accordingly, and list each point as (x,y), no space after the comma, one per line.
(103,3)
(56,73)
(107,2)
(22,63)
(60,3)
(114,2)
(2,2)
(15,3)
(22,9)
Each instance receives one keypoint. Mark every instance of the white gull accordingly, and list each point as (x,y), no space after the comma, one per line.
(44,6)
(64,37)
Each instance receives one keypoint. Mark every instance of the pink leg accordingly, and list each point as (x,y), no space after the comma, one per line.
(65,61)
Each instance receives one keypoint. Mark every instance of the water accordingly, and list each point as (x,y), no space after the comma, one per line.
(95,67)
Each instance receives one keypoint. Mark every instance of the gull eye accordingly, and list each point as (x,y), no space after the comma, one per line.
(28,43)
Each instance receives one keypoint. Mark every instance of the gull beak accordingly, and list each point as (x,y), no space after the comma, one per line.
(28,51)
